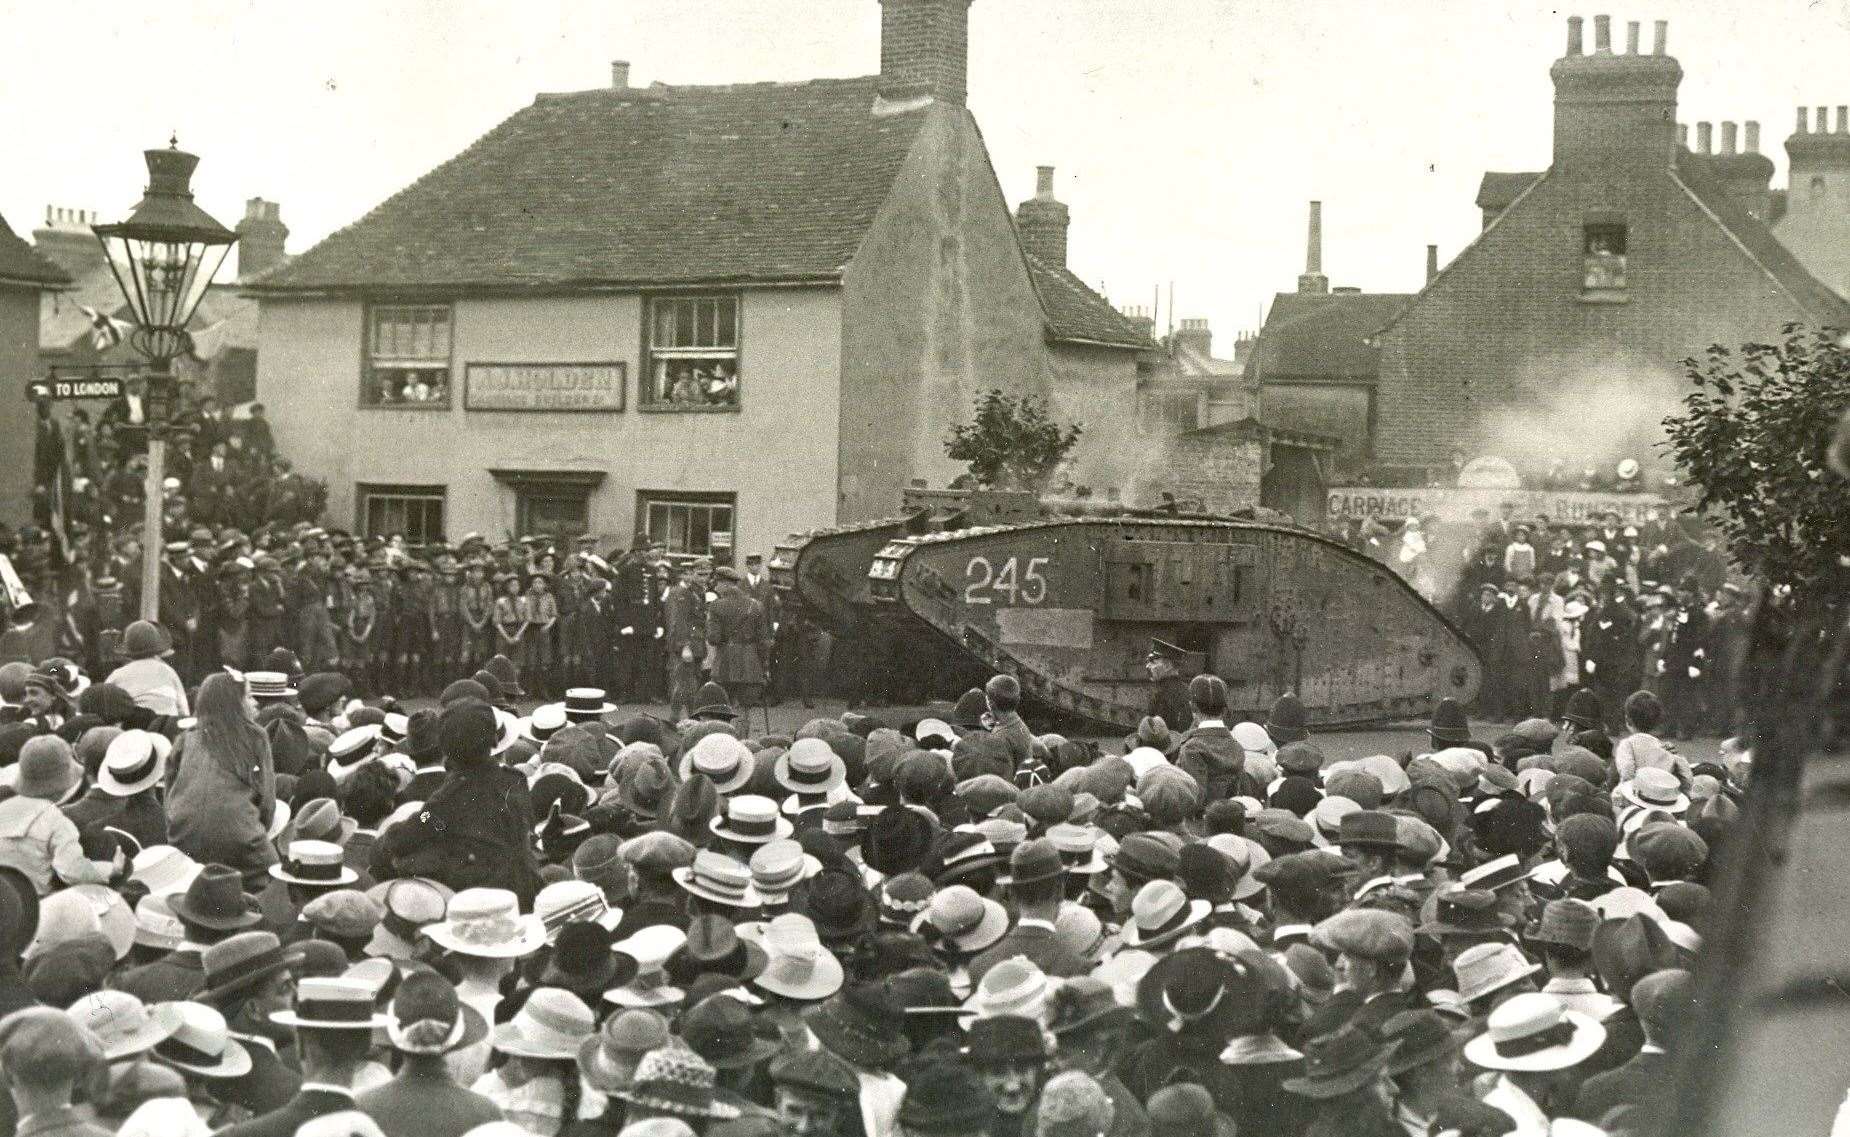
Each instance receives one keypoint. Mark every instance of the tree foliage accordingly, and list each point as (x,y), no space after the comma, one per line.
(1753,438)
(1011,443)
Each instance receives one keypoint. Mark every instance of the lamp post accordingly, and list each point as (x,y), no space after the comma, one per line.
(164,258)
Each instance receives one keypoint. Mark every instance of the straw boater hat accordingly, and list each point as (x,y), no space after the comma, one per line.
(723,759)
(314,863)
(487,922)
(574,902)
(717,877)
(779,866)
(163,870)
(269,685)
(546,720)
(202,1045)
(1655,789)
(810,767)
(134,761)
(751,820)
(332,1004)
(1534,1033)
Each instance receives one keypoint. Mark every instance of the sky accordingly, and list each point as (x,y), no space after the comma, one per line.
(1186,135)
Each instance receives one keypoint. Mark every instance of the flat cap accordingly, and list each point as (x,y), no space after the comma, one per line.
(658,852)
(1367,933)
(344,912)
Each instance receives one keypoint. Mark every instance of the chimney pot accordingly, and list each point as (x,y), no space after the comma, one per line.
(1729,134)
(1843,120)
(619,74)
(1800,129)
(1660,35)
(1705,138)
(1683,135)
(1631,37)
(1432,262)
(1573,35)
(1043,181)
(1602,35)
(1752,145)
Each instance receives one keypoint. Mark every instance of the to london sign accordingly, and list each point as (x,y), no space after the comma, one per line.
(74,388)
(544,386)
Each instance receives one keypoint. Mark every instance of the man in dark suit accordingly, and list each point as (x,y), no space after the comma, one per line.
(1662,999)
(333,1021)
(247,978)
(212,908)
(1036,884)
(739,630)
(1169,701)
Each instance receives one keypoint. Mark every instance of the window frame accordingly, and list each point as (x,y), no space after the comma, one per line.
(688,498)
(526,496)
(646,402)
(365,493)
(1615,288)
(368,373)
(564,485)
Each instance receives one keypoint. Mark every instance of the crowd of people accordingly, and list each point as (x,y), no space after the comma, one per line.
(263,906)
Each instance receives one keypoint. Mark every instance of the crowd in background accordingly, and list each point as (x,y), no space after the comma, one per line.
(260,905)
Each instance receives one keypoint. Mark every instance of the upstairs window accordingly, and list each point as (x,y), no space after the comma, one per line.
(407,356)
(693,360)
(1603,257)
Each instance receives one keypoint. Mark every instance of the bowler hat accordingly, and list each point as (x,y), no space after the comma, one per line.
(1003,1040)
(1287,721)
(898,840)
(1456,911)
(1449,724)
(1585,710)
(722,1030)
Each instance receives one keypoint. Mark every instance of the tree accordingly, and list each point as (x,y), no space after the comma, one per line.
(1755,438)
(1011,443)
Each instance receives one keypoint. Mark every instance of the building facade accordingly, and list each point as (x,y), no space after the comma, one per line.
(24,277)
(707,316)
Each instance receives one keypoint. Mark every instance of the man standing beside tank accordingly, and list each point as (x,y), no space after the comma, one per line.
(1169,701)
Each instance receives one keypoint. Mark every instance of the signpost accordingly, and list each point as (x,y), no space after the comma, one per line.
(64,389)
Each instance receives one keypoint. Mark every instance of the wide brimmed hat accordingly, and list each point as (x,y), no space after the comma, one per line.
(810,766)
(1339,1063)
(677,1082)
(331,1003)
(124,1024)
(608,1058)
(1204,993)
(316,864)
(1420,1037)
(723,759)
(1534,1033)
(410,903)
(717,877)
(1083,1002)
(155,924)
(134,761)
(962,921)
(797,964)
(552,1023)
(1456,911)
(47,770)
(752,820)
(216,899)
(1483,969)
(650,948)
(426,1017)
(546,720)
(864,1023)
(487,922)
(720,1029)
(239,963)
(202,1045)
(1655,789)
(1160,913)
(163,870)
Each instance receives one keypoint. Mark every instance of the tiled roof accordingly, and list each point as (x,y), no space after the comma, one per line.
(20,264)
(1323,335)
(1075,312)
(1499,188)
(1811,294)
(661,185)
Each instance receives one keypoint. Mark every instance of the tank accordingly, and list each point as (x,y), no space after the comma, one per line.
(1068,597)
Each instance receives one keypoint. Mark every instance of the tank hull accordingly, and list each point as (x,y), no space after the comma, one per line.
(1070,607)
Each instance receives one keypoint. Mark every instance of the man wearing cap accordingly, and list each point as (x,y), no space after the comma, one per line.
(1036,886)
(684,620)
(1208,751)
(333,1021)
(1372,947)
(1169,700)
(1663,1000)
(817,1093)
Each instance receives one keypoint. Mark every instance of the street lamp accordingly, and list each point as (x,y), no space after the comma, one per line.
(164,258)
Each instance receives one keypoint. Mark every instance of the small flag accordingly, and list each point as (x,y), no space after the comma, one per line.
(105,330)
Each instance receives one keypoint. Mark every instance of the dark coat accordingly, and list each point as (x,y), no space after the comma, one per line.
(474,832)
(423,1103)
(283,1122)
(269,1084)
(1646,1081)
(738,627)
(141,816)
(1039,946)
(1169,702)
(1211,756)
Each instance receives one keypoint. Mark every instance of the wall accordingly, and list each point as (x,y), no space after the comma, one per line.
(937,307)
(1339,410)
(1816,226)
(1219,469)
(777,453)
(19,353)
(1097,388)
(1501,355)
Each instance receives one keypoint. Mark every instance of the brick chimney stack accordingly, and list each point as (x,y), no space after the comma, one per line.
(1820,164)
(925,49)
(619,74)
(66,240)
(1612,108)
(1042,221)
(1432,262)
(1312,278)
(261,236)
(1745,173)
(1197,335)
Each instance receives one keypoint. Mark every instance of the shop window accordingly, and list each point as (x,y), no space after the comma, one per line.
(693,349)
(551,503)
(1603,248)
(407,356)
(414,511)
(688,524)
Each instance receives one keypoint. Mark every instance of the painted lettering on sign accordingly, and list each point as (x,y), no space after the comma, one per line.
(74,389)
(1574,507)
(985,580)
(545,386)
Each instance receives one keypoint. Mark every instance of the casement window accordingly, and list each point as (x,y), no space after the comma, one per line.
(688,524)
(407,356)
(693,354)
(414,511)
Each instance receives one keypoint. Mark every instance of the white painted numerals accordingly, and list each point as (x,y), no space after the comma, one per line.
(1019,585)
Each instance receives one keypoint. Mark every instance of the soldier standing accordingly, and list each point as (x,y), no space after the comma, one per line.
(684,635)
(362,628)
(268,607)
(757,585)
(477,605)
(1686,661)
(633,623)
(449,653)
(1169,699)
